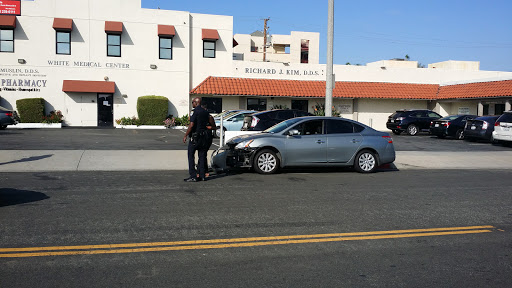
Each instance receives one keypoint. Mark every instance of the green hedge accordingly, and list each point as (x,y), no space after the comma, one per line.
(31,110)
(152,110)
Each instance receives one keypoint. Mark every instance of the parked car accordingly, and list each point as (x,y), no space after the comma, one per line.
(308,141)
(7,117)
(480,128)
(225,113)
(452,126)
(263,120)
(412,121)
(232,121)
(503,128)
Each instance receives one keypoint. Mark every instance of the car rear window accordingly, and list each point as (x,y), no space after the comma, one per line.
(398,114)
(507,117)
(453,117)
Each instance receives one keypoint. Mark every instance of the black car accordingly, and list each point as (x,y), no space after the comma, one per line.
(452,126)
(480,128)
(7,117)
(412,121)
(260,121)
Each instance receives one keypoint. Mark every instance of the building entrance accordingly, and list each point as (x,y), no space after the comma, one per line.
(105,110)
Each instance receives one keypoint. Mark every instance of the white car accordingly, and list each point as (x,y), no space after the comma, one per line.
(503,128)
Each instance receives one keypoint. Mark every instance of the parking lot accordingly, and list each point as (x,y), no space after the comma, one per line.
(171,139)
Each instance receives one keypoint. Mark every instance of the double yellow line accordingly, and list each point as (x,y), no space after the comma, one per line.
(235,242)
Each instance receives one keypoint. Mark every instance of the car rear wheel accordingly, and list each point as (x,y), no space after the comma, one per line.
(397,132)
(459,135)
(266,162)
(366,162)
(2,127)
(412,130)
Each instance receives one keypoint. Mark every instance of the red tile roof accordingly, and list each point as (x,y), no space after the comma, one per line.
(300,88)
(476,90)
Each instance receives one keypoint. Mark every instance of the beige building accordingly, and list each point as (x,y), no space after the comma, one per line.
(92,59)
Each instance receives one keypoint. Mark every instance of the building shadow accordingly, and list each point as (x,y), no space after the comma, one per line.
(28,159)
(11,196)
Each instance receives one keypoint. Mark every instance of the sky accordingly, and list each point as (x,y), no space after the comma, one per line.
(428,31)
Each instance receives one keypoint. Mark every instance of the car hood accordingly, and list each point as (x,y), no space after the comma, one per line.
(241,138)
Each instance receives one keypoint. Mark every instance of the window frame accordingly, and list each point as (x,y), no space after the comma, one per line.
(160,47)
(120,44)
(214,48)
(7,51)
(57,42)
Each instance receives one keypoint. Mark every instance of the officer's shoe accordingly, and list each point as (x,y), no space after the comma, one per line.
(191,179)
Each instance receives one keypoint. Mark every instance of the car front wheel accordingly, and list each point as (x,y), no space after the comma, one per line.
(459,135)
(412,130)
(266,162)
(366,162)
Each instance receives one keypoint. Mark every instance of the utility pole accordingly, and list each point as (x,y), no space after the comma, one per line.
(330,77)
(265,39)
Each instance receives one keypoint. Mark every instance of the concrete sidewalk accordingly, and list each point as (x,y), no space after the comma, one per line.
(133,160)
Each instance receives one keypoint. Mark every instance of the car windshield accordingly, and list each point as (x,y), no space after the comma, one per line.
(280,127)
(453,117)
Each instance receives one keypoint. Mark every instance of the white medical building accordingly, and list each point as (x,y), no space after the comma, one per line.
(92,59)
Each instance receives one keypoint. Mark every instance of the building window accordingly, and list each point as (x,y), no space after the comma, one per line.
(304,51)
(63,43)
(6,40)
(208,49)
(301,105)
(114,45)
(165,48)
(256,104)
(212,104)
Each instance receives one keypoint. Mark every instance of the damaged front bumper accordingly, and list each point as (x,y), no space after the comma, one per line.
(227,158)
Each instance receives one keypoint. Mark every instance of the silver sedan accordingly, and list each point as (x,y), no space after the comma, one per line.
(308,141)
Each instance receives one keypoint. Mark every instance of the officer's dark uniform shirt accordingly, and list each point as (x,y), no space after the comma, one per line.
(201,118)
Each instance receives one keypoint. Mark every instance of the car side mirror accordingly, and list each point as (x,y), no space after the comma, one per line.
(293,132)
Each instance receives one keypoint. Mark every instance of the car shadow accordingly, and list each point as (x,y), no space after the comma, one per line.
(316,170)
(11,196)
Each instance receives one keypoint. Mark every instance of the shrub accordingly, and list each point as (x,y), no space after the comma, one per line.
(31,110)
(54,117)
(129,121)
(182,121)
(320,110)
(152,110)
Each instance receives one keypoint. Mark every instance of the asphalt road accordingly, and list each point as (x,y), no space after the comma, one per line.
(93,208)
(169,139)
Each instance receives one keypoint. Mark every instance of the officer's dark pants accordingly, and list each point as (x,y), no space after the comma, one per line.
(192,161)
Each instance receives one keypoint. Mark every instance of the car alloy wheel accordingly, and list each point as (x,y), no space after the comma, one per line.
(266,162)
(366,162)
(412,130)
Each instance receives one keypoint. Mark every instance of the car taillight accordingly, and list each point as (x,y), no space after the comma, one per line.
(255,121)
(447,124)
(9,114)
(497,124)
(388,138)
(485,125)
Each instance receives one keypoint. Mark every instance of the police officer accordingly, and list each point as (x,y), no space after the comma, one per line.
(199,140)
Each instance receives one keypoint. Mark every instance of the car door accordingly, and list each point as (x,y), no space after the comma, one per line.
(342,140)
(308,147)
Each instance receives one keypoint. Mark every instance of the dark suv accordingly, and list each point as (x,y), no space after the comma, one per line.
(412,121)
(7,117)
(260,121)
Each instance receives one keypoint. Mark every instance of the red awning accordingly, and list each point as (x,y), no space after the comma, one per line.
(88,86)
(62,24)
(113,27)
(7,21)
(210,34)
(166,30)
